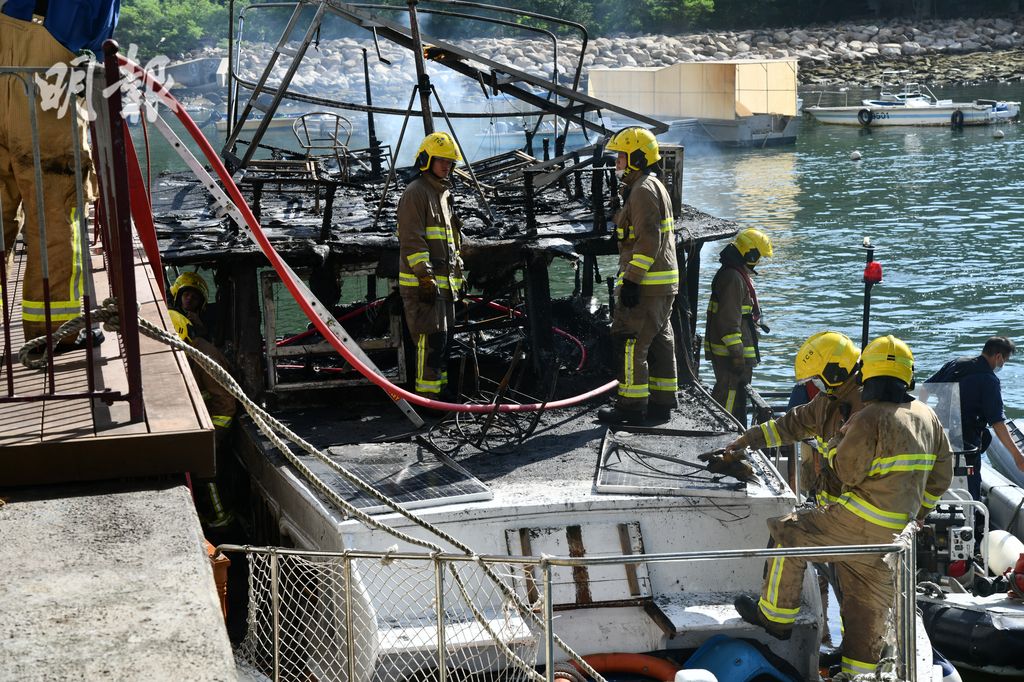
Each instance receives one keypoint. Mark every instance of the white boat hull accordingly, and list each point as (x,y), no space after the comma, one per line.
(939,115)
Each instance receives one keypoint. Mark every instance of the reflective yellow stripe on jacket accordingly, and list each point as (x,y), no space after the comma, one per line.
(869,512)
(716,348)
(929,501)
(887,465)
(418,257)
(772,439)
(653,278)
(436,232)
(406,279)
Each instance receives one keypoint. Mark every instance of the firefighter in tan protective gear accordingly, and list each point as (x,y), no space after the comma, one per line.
(189,295)
(430,267)
(27,43)
(647,283)
(827,363)
(894,462)
(730,338)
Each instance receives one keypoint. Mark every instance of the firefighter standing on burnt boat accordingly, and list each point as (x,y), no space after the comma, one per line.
(730,338)
(647,283)
(430,268)
(827,364)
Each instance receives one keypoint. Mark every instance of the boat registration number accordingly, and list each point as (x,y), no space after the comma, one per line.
(880,115)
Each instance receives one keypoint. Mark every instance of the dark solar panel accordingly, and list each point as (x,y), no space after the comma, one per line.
(659,462)
(405,472)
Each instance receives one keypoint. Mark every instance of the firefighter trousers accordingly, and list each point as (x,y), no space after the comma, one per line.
(868,585)
(429,326)
(24,43)
(730,390)
(643,340)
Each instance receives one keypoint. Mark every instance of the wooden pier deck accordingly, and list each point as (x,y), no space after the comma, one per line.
(52,441)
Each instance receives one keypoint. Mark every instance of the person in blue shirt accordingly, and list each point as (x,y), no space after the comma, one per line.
(981,403)
(76,24)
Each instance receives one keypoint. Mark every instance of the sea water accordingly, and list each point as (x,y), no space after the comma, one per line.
(943,208)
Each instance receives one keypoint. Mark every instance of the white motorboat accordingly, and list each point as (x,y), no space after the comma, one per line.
(913,104)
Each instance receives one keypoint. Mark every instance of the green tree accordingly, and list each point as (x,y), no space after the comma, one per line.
(673,14)
(170,27)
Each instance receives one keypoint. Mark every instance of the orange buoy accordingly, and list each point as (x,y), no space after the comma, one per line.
(633,664)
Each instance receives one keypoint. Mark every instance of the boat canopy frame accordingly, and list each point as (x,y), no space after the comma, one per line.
(546,96)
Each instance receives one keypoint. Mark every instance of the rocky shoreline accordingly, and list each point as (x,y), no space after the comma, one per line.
(962,51)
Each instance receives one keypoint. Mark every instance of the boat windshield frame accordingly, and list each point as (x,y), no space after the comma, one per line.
(896,88)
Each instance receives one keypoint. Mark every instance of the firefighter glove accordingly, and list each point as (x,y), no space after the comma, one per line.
(738,363)
(630,293)
(428,289)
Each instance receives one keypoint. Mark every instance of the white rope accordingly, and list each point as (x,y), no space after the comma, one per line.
(107,314)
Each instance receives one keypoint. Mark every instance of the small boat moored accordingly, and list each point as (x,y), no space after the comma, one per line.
(914,104)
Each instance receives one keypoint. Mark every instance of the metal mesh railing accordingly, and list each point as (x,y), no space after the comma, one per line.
(397,617)
(377,618)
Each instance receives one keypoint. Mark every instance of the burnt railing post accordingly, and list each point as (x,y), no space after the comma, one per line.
(577,175)
(597,190)
(371,127)
(538,306)
(531,217)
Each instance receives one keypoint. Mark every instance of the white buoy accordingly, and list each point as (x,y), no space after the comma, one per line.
(998,134)
(855,155)
(1001,549)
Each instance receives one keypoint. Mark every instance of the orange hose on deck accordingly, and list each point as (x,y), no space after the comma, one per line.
(633,664)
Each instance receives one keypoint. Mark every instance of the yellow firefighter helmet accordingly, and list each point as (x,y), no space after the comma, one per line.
(831,356)
(638,144)
(190,280)
(753,245)
(887,356)
(436,146)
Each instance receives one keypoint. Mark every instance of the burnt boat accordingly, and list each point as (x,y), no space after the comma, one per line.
(652,544)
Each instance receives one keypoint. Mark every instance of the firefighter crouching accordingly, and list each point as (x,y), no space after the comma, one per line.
(827,363)
(189,295)
(430,269)
(646,286)
(730,338)
(893,460)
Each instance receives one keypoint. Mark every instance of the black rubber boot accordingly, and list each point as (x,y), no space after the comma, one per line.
(749,612)
(613,414)
(658,414)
